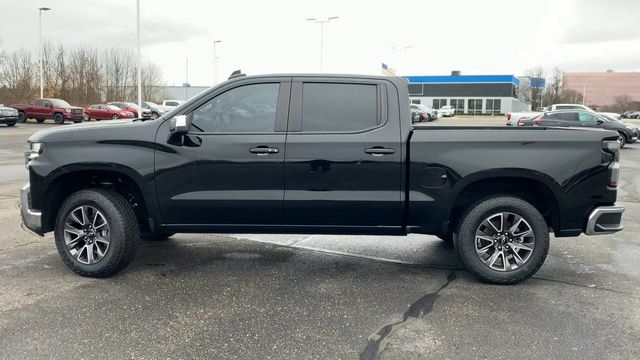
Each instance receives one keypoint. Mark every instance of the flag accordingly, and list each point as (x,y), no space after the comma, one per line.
(388,70)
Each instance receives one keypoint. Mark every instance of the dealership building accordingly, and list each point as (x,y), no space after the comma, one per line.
(468,94)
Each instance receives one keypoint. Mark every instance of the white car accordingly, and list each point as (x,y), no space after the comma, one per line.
(447,111)
(169,105)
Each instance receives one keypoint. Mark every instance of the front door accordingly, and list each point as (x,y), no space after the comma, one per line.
(344,155)
(230,168)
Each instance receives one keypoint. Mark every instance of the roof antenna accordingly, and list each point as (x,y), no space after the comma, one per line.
(235,74)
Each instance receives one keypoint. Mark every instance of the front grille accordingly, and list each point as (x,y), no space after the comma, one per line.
(76,111)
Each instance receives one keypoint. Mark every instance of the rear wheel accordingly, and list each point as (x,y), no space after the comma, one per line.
(503,240)
(96,232)
(22,117)
(58,118)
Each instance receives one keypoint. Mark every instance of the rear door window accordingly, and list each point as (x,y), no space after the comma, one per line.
(586,117)
(337,107)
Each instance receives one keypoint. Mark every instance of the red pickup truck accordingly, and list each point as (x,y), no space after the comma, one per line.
(56,109)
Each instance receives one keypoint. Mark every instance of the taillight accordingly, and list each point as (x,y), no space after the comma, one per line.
(508,116)
(521,122)
(611,155)
(537,122)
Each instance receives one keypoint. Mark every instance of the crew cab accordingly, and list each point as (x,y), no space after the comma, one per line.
(56,109)
(318,154)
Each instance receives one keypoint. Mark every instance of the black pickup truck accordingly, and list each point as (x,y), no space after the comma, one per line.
(318,154)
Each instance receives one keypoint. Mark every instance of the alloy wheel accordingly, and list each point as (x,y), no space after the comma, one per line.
(86,234)
(504,241)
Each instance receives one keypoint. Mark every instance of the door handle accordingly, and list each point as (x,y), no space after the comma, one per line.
(263,150)
(379,151)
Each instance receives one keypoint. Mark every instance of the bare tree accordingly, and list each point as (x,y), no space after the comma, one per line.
(570,96)
(553,92)
(18,78)
(622,103)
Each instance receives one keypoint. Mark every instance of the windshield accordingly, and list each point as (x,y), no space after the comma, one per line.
(61,103)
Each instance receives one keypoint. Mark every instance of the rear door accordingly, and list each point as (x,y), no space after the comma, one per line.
(587,119)
(343,162)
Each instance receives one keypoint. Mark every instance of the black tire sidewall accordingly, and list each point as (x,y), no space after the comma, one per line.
(465,239)
(22,117)
(58,118)
(112,261)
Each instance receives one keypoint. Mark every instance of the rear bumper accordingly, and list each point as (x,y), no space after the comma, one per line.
(604,220)
(30,218)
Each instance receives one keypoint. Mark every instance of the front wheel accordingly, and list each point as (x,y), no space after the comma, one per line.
(503,240)
(114,117)
(96,232)
(22,116)
(622,140)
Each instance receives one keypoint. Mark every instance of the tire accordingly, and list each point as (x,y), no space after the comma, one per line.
(154,115)
(157,236)
(114,117)
(40,121)
(58,118)
(11,124)
(121,232)
(22,117)
(475,219)
(622,139)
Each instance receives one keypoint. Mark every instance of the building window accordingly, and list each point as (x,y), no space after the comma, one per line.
(493,106)
(416,101)
(457,104)
(438,103)
(474,106)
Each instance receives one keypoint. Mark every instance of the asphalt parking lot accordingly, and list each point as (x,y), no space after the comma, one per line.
(316,297)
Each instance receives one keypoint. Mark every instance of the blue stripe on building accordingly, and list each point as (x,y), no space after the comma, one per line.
(463,79)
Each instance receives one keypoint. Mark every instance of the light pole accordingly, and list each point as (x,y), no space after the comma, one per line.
(40,10)
(322,22)
(215,62)
(139,58)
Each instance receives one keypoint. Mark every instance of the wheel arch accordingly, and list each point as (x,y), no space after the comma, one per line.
(537,189)
(120,178)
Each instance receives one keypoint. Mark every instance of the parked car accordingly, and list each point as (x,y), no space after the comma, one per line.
(218,165)
(168,105)
(156,110)
(425,113)
(628,114)
(56,109)
(635,115)
(579,118)
(513,118)
(8,116)
(447,111)
(106,111)
(128,106)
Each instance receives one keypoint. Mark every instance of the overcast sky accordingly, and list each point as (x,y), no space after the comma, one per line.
(476,37)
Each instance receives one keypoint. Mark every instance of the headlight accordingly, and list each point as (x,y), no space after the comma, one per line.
(35,150)
(67,110)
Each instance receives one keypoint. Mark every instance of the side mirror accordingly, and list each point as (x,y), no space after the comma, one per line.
(180,124)
(600,122)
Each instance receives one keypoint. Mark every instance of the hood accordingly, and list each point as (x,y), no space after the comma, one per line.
(121,129)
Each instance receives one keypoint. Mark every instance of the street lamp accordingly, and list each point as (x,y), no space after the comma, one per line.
(322,22)
(40,10)
(139,58)
(215,62)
